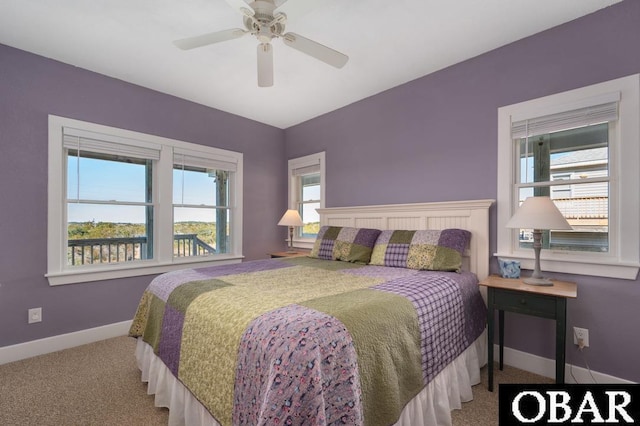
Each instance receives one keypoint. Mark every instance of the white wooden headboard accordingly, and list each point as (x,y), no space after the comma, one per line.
(470,215)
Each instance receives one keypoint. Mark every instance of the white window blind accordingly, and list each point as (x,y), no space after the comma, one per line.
(198,159)
(565,120)
(306,170)
(88,141)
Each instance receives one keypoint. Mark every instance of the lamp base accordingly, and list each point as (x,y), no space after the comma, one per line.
(537,281)
(290,248)
(536,277)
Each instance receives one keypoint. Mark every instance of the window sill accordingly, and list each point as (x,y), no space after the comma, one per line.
(116,271)
(306,243)
(596,267)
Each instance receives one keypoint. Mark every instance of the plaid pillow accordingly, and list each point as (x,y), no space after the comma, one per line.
(426,250)
(344,243)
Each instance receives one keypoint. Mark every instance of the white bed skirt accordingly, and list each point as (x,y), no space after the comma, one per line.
(432,406)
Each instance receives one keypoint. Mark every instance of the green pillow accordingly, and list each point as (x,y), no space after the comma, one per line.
(433,250)
(345,243)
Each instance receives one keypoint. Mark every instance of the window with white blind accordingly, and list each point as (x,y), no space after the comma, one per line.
(306,194)
(202,213)
(581,149)
(109,209)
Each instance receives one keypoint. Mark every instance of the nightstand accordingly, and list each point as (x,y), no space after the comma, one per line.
(298,252)
(513,295)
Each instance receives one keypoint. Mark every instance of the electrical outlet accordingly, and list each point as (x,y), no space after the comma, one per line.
(581,337)
(35,315)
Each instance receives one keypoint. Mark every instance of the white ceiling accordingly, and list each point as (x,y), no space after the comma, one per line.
(389,42)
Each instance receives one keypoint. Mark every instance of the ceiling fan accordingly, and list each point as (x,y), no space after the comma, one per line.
(266,21)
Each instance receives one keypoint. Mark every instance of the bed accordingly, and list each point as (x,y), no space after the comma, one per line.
(382,324)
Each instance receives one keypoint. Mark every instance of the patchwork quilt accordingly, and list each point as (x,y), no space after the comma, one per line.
(308,341)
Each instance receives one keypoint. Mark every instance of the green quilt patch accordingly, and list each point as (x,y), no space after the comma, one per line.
(182,296)
(386,335)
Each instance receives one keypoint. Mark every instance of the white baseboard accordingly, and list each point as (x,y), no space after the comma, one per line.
(547,367)
(62,341)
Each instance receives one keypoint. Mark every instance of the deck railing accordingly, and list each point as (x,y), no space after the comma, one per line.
(190,245)
(584,207)
(127,249)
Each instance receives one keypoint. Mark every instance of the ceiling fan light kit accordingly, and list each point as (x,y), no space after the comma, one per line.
(263,20)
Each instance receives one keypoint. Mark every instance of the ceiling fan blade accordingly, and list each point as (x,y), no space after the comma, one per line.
(317,50)
(211,38)
(241,6)
(296,8)
(265,65)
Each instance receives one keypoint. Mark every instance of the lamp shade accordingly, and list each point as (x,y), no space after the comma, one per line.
(538,213)
(291,218)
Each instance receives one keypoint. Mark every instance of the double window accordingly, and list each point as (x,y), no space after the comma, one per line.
(306,194)
(123,203)
(580,148)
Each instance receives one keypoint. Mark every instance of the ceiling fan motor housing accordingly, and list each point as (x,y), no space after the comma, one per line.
(263,24)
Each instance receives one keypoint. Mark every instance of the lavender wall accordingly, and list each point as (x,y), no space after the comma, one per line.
(31,87)
(435,139)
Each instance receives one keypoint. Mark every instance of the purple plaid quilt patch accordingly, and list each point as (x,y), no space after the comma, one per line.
(396,255)
(440,310)
(326,249)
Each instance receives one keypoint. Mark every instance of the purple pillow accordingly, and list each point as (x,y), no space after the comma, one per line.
(433,250)
(345,243)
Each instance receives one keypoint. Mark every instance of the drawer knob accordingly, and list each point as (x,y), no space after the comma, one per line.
(523,301)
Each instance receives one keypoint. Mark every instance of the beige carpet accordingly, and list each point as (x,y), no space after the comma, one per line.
(99,384)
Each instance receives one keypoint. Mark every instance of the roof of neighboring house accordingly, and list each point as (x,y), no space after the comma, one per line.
(581,156)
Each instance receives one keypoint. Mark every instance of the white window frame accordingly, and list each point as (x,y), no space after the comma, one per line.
(58,272)
(623,259)
(299,163)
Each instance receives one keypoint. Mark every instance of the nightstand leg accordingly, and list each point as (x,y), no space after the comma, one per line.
(490,319)
(501,336)
(561,330)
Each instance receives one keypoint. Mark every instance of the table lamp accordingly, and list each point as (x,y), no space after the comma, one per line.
(538,213)
(291,218)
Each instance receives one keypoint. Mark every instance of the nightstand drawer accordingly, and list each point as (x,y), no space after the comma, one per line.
(525,303)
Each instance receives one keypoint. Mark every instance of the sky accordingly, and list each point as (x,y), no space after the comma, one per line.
(99,180)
